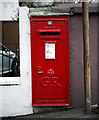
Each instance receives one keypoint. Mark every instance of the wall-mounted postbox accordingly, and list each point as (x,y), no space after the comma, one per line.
(50,61)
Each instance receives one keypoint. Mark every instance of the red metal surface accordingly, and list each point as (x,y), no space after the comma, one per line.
(50,77)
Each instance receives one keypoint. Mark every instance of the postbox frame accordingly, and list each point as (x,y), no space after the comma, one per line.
(56,18)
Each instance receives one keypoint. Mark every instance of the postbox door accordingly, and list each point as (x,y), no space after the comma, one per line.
(50,61)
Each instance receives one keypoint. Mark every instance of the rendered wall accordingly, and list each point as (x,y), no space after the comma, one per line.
(17,99)
(77,64)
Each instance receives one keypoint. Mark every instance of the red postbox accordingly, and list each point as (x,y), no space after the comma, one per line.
(50,61)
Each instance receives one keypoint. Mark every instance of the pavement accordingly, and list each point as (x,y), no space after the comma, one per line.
(66,113)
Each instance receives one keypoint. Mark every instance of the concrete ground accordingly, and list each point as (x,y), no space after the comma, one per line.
(69,113)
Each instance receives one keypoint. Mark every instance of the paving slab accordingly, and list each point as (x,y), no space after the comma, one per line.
(66,113)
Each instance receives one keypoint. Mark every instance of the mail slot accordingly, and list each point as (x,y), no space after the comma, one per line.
(50,64)
(50,34)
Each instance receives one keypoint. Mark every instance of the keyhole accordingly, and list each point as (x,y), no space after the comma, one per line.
(38,68)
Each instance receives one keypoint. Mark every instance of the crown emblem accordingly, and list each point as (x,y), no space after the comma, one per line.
(50,72)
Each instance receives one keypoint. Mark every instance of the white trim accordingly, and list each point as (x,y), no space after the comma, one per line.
(8,13)
(16,1)
(9,80)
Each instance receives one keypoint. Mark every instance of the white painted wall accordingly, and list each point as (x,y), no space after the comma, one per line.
(8,9)
(17,99)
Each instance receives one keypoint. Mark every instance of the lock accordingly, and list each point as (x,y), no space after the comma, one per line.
(39,68)
(39,71)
